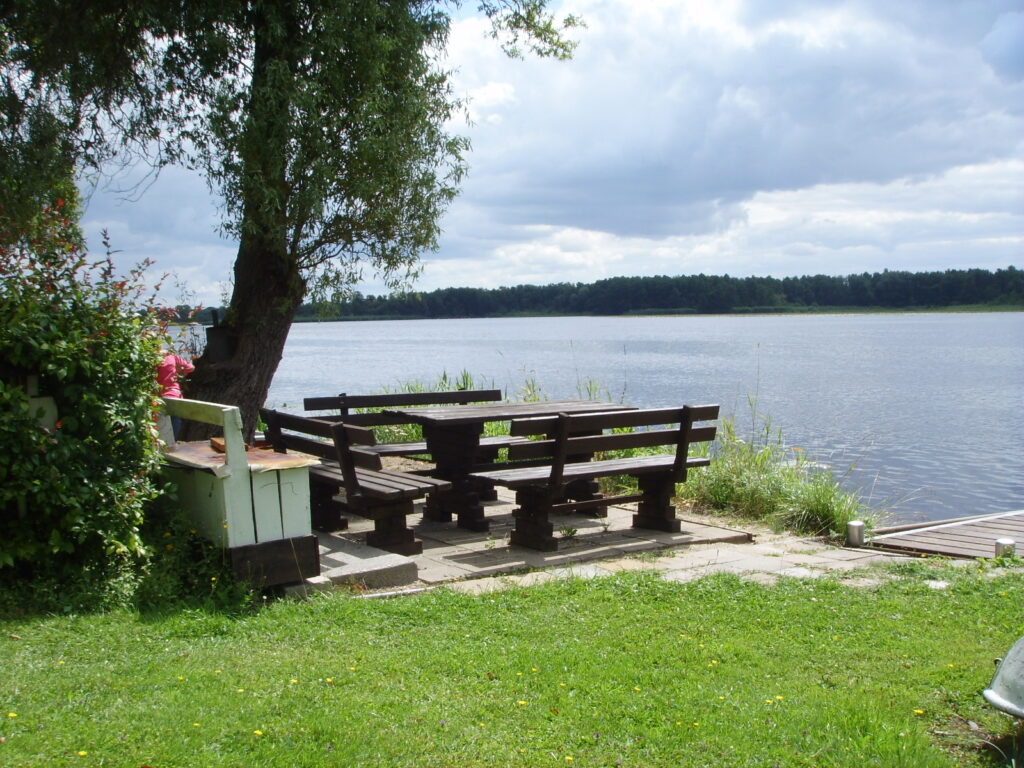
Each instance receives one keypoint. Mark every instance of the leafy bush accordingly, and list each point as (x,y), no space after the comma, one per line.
(72,494)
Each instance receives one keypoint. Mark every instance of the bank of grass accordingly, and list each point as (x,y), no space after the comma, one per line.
(622,671)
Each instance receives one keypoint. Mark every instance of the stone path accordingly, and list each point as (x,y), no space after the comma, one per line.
(483,562)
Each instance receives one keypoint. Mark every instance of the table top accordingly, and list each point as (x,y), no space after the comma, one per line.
(478,414)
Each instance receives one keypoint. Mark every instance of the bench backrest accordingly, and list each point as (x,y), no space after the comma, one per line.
(331,440)
(567,436)
(345,404)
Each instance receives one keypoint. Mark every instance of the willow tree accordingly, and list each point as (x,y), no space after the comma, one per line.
(321,124)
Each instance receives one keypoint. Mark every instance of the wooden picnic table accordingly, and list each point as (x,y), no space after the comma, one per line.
(453,432)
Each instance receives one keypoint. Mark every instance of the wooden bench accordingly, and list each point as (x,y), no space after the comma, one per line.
(252,503)
(351,479)
(544,482)
(346,405)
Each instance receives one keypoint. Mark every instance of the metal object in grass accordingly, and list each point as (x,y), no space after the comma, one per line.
(855,533)
(1005,547)
(1006,691)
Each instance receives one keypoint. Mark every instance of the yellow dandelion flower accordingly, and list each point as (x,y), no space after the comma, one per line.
(918,711)
(329,681)
(240,690)
(195,725)
(60,662)
(568,758)
(779,698)
(534,669)
(216,671)
(293,681)
(257,732)
(521,703)
(696,725)
(561,685)
(82,753)
(180,677)
(519,674)
(12,714)
(636,687)
(351,669)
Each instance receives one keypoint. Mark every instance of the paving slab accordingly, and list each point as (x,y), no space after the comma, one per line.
(478,562)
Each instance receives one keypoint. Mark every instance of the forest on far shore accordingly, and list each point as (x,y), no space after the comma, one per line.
(691,294)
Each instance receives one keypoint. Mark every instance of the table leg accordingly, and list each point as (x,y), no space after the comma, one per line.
(454,449)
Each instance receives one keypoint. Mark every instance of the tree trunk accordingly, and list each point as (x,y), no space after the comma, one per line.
(269,286)
(268,291)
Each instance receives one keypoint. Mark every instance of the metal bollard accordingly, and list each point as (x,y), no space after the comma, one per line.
(1005,547)
(855,533)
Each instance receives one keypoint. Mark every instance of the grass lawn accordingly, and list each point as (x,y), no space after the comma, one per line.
(623,671)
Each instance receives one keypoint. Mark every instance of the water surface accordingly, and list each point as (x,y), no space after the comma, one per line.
(927,409)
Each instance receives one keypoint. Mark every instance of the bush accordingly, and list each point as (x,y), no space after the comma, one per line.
(72,494)
(762,479)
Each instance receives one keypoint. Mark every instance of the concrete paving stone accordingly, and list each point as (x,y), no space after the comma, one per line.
(755,563)
(759,577)
(530,579)
(862,582)
(579,571)
(801,558)
(699,557)
(800,572)
(835,553)
(843,565)
(478,586)
(685,575)
(626,564)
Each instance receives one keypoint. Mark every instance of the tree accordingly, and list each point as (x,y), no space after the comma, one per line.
(321,123)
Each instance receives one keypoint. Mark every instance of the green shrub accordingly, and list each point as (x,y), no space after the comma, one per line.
(72,493)
(762,479)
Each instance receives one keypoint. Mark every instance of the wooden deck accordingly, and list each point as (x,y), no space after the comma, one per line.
(971,537)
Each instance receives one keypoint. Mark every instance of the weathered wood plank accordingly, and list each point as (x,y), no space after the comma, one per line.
(965,538)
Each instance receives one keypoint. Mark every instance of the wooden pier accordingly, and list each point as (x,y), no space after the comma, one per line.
(965,537)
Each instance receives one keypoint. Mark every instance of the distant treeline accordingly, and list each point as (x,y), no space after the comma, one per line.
(692,294)
(700,294)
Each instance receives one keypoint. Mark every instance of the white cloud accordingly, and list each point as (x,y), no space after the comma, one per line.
(754,137)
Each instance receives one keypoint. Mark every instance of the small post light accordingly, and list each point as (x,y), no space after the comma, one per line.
(1005,547)
(855,533)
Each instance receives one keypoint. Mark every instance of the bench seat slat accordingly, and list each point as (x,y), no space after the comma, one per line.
(639,465)
(382,484)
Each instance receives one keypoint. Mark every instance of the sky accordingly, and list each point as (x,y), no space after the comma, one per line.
(741,137)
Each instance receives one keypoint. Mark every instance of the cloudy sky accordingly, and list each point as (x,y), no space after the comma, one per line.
(748,137)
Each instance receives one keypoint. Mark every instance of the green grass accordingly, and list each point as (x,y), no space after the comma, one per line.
(621,671)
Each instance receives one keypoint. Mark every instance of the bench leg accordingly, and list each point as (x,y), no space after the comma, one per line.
(325,512)
(533,528)
(485,489)
(655,511)
(391,529)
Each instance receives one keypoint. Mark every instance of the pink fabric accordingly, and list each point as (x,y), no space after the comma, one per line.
(169,373)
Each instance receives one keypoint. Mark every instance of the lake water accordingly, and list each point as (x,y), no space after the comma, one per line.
(927,409)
